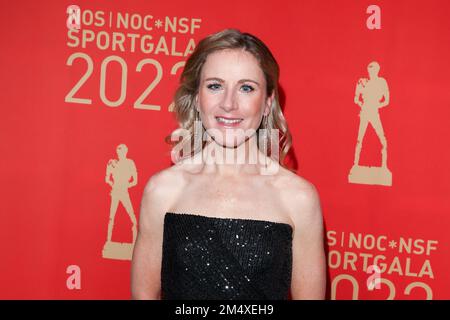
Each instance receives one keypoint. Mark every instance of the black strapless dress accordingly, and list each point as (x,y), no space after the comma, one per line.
(213,258)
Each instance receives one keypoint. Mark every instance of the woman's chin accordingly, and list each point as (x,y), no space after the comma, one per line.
(224,143)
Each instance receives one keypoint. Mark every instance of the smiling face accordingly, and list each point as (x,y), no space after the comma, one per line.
(232,96)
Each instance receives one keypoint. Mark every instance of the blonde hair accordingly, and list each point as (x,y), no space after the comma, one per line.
(184,103)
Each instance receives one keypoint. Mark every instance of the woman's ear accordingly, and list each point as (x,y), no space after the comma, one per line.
(269,102)
(196,103)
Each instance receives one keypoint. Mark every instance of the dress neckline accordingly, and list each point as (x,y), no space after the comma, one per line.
(229,218)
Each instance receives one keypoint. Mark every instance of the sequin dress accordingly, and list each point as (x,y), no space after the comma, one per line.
(225,258)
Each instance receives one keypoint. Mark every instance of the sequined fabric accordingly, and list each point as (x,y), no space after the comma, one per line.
(225,259)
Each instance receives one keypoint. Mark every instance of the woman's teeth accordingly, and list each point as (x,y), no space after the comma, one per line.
(228,121)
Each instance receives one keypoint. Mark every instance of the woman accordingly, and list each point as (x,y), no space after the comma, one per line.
(218,224)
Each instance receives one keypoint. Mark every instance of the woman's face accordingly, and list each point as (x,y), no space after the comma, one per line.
(232,96)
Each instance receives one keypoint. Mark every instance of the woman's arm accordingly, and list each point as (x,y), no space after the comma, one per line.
(309,262)
(147,254)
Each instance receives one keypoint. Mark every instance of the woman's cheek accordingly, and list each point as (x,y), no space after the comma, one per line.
(208,101)
(254,103)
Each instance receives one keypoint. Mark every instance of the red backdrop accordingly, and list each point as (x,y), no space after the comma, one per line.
(55,202)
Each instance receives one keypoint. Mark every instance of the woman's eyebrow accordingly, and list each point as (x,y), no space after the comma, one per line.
(215,79)
(249,80)
(240,81)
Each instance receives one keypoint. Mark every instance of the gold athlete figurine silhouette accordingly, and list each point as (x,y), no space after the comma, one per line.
(118,174)
(371,94)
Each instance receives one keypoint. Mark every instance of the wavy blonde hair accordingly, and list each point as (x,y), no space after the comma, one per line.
(184,103)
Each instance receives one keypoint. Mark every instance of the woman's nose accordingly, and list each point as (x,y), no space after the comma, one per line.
(229,100)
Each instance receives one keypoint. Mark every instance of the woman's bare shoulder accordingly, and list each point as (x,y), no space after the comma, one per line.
(165,180)
(299,194)
(291,181)
(162,189)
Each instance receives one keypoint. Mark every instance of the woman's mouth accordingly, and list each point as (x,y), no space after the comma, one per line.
(229,122)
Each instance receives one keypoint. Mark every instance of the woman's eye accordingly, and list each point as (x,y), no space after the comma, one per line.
(247,88)
(213,86)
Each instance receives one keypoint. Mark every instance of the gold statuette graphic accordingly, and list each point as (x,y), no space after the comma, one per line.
(118,175)
(369,95)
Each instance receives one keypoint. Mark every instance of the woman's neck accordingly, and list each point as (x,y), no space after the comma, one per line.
(233,161)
